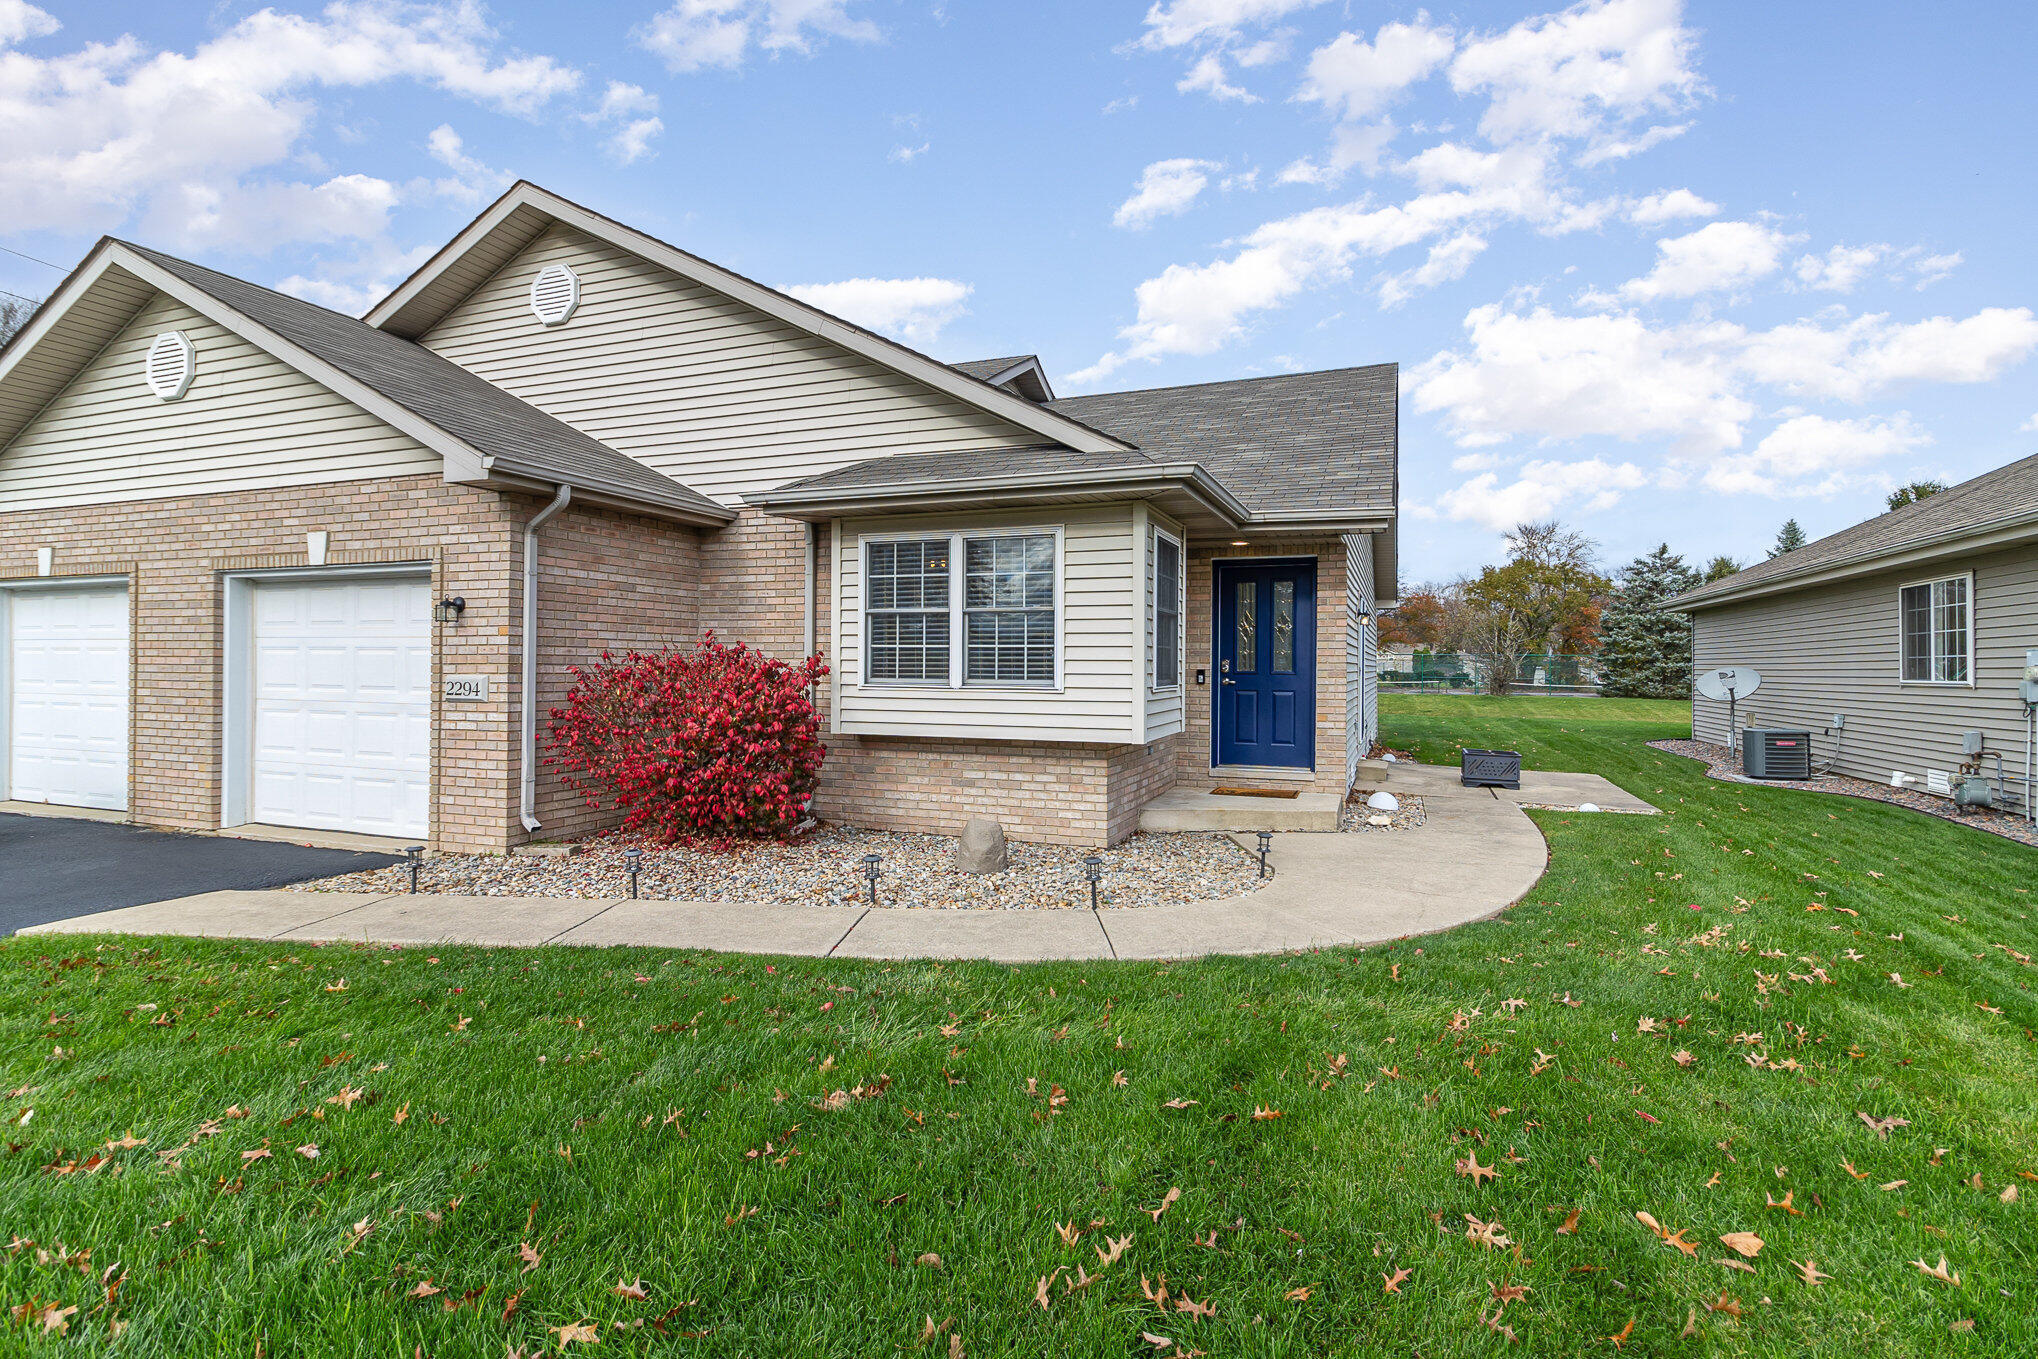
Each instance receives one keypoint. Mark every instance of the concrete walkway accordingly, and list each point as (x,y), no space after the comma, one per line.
(1474,855)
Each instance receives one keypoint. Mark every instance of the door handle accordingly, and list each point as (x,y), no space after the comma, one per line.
(1229,681)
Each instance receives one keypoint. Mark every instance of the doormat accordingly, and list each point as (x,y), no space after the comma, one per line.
(1254,792)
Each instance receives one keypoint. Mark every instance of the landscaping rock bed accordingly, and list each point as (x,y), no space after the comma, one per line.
(825,868)
(1359,817)
(1721,763)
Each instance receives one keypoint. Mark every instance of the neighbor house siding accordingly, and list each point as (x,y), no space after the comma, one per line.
(1835,649)
(702,388)
(1099,646)
(248,422)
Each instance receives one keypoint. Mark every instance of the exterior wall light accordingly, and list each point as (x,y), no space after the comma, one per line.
(873,869)
(1266,843)
(1093,870)
(449,610)
(416,855)
(1363,617)
(633,859)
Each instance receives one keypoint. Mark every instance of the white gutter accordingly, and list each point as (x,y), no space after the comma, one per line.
(528,752)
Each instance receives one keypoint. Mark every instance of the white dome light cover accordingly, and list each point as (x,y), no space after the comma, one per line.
(555,294)
(170,365)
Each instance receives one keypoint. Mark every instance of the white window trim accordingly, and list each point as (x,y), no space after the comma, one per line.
(1153,626)
(1967,683)
(957,625)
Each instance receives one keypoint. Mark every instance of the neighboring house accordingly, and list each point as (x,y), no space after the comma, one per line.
(262,563)
(1912,627)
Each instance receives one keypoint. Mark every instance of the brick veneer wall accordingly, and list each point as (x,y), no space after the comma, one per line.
(1193,748)
(172,551)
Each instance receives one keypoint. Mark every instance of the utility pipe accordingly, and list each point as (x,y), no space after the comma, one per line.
(529,687)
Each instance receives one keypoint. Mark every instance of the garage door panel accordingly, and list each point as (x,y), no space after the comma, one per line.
(342,699)
(67,704)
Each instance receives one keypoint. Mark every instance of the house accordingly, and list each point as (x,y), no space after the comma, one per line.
(1911,629)
(263,564)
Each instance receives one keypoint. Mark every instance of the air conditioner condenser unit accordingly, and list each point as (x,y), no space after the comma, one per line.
(1776,753)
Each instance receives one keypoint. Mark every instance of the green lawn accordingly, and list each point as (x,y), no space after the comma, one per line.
(504,1137)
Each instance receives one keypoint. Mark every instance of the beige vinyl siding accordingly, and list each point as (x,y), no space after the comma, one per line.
(1164,712)
(1362,691)
(1098,647)
(249,421)
(1836,648)
(702,388)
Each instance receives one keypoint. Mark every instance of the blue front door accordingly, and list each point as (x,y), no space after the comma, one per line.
(1266,663)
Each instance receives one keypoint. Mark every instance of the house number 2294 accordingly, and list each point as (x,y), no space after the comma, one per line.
(466,689)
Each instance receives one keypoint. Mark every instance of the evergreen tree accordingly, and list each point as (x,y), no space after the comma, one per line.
(1720,567)
(1789,538)
(1644,653)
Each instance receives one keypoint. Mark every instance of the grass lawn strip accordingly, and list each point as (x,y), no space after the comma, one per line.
(1760,1015)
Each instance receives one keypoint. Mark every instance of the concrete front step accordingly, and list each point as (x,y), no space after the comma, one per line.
(1190,809)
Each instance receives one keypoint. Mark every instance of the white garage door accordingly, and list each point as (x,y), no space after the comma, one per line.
(67,700)
(342,705)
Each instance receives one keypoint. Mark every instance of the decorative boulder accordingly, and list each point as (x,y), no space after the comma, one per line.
(1391,758)
(981,847)
(1384,802)
(1588,806)
(1378,819)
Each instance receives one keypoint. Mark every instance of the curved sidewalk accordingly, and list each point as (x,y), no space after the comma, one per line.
(1474,855)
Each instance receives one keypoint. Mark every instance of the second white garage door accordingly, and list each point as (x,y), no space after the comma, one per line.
(66,668)
(342,695)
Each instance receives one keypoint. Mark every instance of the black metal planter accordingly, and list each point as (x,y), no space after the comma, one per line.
(1490,769)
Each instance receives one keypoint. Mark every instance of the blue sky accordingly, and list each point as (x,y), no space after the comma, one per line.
(1668,271)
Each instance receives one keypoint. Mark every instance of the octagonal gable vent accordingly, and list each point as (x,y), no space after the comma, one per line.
(555,292)
(170,365)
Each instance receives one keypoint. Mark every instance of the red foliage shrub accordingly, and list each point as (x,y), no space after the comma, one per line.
(718,742)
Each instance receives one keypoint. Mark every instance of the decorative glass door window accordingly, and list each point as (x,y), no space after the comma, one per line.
(1284,627)
(1248,648)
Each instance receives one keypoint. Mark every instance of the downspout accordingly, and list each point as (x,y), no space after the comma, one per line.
(529,684)
(813,542)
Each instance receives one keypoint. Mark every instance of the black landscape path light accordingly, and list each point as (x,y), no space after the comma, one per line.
(633,859)
(1266,843)
(873,869)
(1093,869)
(416,855)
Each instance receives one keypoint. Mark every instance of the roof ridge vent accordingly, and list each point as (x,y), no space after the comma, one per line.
(170,365)
(555,294)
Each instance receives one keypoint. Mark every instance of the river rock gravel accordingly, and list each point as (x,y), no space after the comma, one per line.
(825,868)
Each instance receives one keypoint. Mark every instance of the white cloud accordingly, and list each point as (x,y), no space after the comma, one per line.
(1840,269)
(1568,377)
(1184,23)
(692,35)
(1541,490)
(1658,208)
(20,20)
(2029,426)
(471,180)
(1579,73)
(1356,79)
(1352,144)
(1448,260)
(112,130)
(1815,455)
(1166,188)
(905,155)
(630,112)
(1929,269)
(1207,77)
(1716,256)
(912,309)
(1623,148)
(1862,357)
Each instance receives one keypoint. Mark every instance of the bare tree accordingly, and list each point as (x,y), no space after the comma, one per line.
(14,313)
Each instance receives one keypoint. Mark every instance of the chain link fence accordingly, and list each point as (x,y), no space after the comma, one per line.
(1456,672)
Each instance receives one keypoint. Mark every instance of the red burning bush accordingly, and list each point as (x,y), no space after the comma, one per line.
(718,742)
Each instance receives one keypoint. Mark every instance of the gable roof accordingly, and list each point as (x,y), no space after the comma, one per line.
(1999,503)
(1294,447)
(515,220)
(483,432)
(1019,372)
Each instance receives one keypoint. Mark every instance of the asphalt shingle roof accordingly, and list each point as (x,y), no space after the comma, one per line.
(2005,495)
(983,370)
(519,436)
(1290,444)
(973,464)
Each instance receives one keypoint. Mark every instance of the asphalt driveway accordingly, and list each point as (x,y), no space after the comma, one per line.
(52,867)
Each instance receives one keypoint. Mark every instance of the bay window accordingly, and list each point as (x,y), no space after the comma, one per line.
(1166,641)
(993,622)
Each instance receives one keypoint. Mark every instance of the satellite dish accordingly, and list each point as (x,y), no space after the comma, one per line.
(1729,683)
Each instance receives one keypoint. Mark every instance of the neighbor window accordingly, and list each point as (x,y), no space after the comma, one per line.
(1937,618)
(998,628)
(1167,611)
